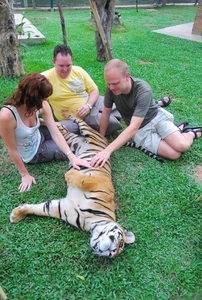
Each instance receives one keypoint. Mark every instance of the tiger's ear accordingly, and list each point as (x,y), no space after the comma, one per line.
(129,237)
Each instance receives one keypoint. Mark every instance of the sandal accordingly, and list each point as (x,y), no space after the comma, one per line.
(185,123)
(192,129)
(165,103)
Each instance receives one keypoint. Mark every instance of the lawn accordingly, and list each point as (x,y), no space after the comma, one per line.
(45,259)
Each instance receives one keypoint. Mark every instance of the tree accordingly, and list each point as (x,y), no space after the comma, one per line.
(103,12)
(10,63)
(34,4)
(197,27)
(62,20)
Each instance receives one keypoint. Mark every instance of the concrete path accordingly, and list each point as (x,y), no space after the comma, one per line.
(183,31)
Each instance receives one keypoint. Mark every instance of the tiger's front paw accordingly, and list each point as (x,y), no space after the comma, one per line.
(66,113)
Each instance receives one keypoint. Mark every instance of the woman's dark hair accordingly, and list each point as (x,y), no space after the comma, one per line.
(63,50)
(31,91)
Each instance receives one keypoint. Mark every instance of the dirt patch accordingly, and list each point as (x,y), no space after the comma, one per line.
(144,62)
(148,25)
(198,173)
(117,25)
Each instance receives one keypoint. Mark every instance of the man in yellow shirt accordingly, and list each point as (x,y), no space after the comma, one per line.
(74,89)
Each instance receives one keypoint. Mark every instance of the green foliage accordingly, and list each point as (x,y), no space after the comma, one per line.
(19,27)
(46,259)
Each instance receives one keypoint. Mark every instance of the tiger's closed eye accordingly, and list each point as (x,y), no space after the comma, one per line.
(121,245)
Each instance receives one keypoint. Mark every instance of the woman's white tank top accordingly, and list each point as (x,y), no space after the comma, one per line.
(27,138)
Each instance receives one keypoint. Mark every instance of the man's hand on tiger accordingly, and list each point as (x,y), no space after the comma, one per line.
(100,159)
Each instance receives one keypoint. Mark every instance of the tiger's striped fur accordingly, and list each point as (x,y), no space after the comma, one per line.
(89,203)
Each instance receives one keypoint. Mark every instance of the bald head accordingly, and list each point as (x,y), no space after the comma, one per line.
(117,65)
(117,76)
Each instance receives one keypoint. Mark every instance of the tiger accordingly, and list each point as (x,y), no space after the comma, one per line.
(89,203)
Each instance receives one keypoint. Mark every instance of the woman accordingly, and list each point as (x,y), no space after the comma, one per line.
(26,140)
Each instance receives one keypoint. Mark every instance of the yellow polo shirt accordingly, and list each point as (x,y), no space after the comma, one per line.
(70,93)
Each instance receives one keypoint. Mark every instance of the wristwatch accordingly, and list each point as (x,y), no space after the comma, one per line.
(90,106)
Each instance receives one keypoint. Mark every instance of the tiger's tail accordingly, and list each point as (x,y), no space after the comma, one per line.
(147,152)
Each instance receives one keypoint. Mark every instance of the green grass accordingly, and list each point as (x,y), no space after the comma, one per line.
(44,258)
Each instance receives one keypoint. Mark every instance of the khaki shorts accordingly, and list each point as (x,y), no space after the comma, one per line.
(156,130)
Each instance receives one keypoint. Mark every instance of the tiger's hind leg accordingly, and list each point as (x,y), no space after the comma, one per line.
(46,209)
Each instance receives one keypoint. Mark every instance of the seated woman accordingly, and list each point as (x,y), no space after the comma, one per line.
(25,139)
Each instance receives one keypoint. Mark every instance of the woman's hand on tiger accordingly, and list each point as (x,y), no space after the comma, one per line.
(26,183)
(100,159)
(76,162)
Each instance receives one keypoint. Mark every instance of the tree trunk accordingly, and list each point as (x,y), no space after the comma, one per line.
(62,21)
(10,63)
(106,10)
(34,4)
(197,27)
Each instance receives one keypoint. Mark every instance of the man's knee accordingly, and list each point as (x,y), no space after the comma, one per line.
(169,153)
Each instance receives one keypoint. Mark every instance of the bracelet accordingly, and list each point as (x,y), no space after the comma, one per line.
(68,152)
(90,106)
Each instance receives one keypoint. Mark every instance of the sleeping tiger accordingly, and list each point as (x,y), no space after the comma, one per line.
(89,203)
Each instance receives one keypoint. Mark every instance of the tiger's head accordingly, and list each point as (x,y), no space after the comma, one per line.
(110,240)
